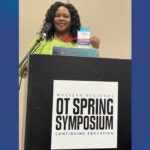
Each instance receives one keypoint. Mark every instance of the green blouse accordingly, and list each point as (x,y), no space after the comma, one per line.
(46,47)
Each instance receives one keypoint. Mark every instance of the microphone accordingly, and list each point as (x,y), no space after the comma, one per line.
(46,29)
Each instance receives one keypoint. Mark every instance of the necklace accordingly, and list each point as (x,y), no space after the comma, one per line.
(65,38)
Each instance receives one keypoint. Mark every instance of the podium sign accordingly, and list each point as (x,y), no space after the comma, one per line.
(84,111)
(78,103)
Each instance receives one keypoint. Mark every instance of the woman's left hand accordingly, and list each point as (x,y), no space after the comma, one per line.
(95,42)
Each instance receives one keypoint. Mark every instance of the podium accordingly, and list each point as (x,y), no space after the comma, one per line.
(45,69)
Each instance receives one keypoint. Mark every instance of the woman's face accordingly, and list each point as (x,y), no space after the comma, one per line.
(62,20)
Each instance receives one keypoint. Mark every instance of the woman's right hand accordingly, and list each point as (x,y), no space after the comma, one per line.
(95,42)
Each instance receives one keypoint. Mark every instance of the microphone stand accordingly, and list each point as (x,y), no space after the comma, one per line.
(31,51)
(33,48)
(46,29)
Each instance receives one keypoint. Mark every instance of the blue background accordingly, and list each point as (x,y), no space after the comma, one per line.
(9,75)
(141,75)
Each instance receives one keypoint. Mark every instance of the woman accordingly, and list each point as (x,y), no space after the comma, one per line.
(65,23)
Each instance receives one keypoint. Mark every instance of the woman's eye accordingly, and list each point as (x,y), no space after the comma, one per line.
(57,15)
(64,16)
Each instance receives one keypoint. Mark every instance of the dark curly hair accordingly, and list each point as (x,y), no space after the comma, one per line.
(49,18)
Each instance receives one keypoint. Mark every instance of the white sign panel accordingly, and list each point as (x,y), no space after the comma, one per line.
(84,115)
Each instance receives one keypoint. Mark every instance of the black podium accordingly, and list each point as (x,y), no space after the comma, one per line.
(44,69)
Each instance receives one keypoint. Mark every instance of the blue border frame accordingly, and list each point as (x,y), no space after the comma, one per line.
(9,75)
(140,75)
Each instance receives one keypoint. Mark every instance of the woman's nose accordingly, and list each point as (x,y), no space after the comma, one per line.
(61,17)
